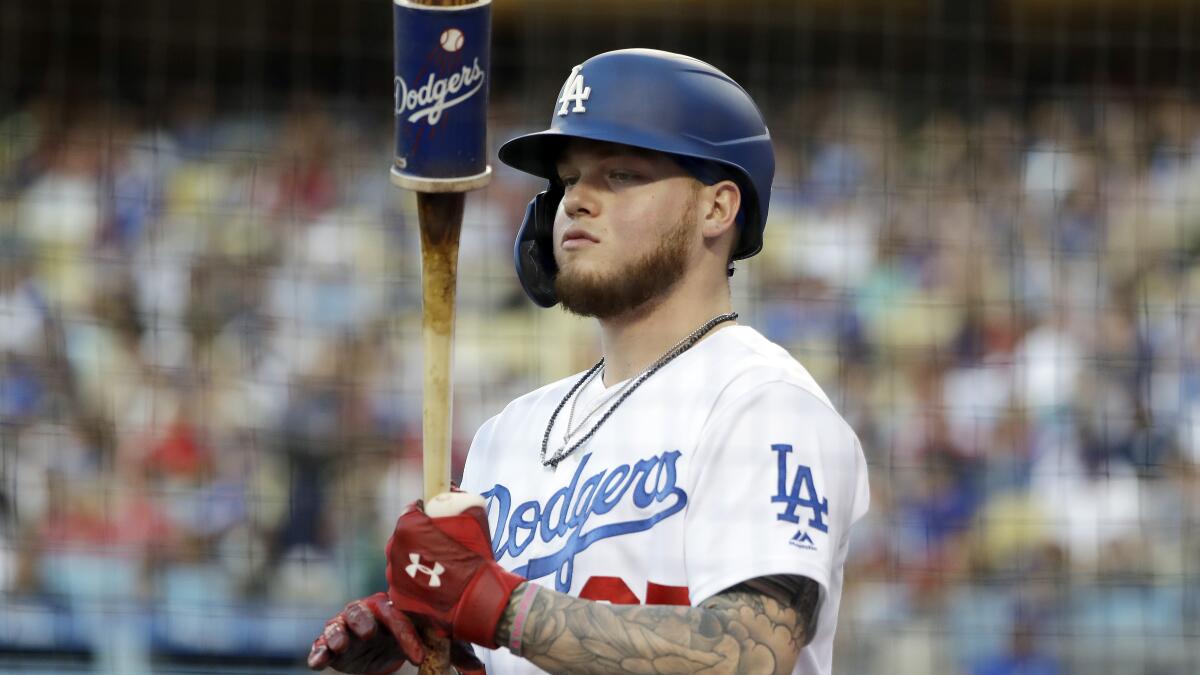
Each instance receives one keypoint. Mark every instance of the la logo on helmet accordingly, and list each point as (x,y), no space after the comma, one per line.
(574,91)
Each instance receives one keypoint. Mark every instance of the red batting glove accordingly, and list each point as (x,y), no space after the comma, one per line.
(442,568)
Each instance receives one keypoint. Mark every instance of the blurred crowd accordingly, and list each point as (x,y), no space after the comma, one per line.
(210,384)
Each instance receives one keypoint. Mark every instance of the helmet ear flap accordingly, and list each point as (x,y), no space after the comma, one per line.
(534,250)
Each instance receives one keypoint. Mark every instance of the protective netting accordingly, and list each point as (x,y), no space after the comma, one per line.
(982,243)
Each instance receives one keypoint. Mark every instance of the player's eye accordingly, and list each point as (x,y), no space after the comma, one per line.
(622,176)
(568,180)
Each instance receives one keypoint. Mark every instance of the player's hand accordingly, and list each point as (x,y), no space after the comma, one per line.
(372,636)
(368,636)
(440,566)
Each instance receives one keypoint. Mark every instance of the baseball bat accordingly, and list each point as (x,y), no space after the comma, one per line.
(440,217)
(440,202)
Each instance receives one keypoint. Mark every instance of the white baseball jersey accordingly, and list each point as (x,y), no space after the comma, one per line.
(727,464)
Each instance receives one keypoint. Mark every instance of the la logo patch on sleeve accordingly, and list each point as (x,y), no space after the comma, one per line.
(795,491)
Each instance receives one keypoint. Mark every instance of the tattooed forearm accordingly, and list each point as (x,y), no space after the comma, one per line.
(790,590)
(738,631)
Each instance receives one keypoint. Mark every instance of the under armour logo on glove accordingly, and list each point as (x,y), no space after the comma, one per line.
(434,573)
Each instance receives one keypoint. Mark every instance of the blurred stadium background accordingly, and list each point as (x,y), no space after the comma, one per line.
(983,243)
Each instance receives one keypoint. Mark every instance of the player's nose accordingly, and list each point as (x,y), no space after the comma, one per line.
(580,200)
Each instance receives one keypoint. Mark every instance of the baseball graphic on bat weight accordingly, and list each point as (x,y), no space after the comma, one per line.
(452,39)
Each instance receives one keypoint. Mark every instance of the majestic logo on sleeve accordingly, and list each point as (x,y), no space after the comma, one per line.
(436,95)
(574,92)
(799,493)
(650,484)
(802,539)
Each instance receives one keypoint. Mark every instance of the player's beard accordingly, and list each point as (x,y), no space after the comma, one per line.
(625,289)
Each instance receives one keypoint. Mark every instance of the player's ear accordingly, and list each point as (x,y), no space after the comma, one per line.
(719,204)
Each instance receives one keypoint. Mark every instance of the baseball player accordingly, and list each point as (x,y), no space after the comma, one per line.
(682,506)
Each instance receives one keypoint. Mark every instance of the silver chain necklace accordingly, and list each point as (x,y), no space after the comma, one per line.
(623,393)
(573,429)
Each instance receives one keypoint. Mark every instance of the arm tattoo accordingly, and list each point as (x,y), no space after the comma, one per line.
(790,590)
(743,629)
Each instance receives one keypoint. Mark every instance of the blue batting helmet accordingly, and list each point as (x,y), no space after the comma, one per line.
(654,100)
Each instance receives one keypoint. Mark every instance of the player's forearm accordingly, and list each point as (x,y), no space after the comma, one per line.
(733,632)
